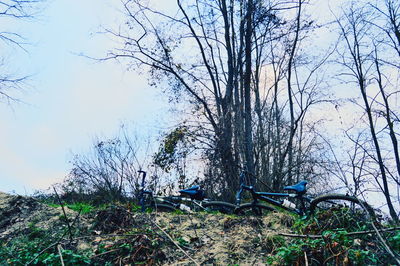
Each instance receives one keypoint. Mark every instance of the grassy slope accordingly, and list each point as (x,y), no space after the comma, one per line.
(37,233)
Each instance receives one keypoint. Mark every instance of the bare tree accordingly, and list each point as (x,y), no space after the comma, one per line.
(11,11)
(215,38)
(215,55)
(110,170)
(290,90)
(360,57)
(294,85)
(390,14)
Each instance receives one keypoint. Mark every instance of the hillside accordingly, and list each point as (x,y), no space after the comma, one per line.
(35,233)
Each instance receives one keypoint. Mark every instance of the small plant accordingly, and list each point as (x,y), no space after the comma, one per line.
(182,241)
(139,249)
(23,250)
(34,231)
(69,258)
(335,245)
(286,255)
(82,207)
(360,257)
(394,242)
(134,207)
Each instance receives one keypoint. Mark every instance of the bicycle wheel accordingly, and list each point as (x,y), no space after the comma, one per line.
(249,209)
(219,206)
(337,211)
(159,207)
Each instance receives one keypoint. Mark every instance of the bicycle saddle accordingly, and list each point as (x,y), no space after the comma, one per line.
(194,192)
(299,187)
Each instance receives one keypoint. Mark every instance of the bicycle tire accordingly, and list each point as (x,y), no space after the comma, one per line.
(333,211)
(159,207)
(219,206)
(249,209)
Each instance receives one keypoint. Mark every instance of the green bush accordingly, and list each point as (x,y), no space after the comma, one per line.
(394,242)
(334,246)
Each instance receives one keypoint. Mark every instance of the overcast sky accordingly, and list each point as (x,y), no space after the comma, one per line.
(71,99)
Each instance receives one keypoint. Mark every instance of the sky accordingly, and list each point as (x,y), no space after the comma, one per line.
(70,99)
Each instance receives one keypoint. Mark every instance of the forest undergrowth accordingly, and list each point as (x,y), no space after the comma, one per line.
(38,233)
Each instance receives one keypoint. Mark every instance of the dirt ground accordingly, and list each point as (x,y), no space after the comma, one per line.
(188,239)
(223,240)
(18,214)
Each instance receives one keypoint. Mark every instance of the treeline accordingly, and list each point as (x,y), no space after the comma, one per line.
(260,80)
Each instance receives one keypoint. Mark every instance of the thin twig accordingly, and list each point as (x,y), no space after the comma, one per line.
(101,254)
(109,236)
(193,225)
(176,244)
(300,236)
(333,256)
(305,258)
(347,234)
(60,253)
(65,214)
(378,233)
(388,249)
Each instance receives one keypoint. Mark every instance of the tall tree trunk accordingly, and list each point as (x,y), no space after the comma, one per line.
(386,190)
(276,138)
(290,95)
(226,141)
(261,157)
(225,154)
(389,121)
(247,93)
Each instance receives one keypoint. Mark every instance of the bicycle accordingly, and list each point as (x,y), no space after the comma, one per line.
(339,206)
(189,200)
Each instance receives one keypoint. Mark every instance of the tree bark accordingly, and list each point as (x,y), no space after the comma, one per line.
(247,93)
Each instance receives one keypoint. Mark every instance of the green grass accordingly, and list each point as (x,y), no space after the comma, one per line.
(82,207)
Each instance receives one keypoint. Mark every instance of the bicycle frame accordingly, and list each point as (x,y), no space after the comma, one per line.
(178,202)
(142,191)
(174,201)
(266,196)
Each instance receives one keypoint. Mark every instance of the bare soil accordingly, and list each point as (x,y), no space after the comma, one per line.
(18,214)
(216,239)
